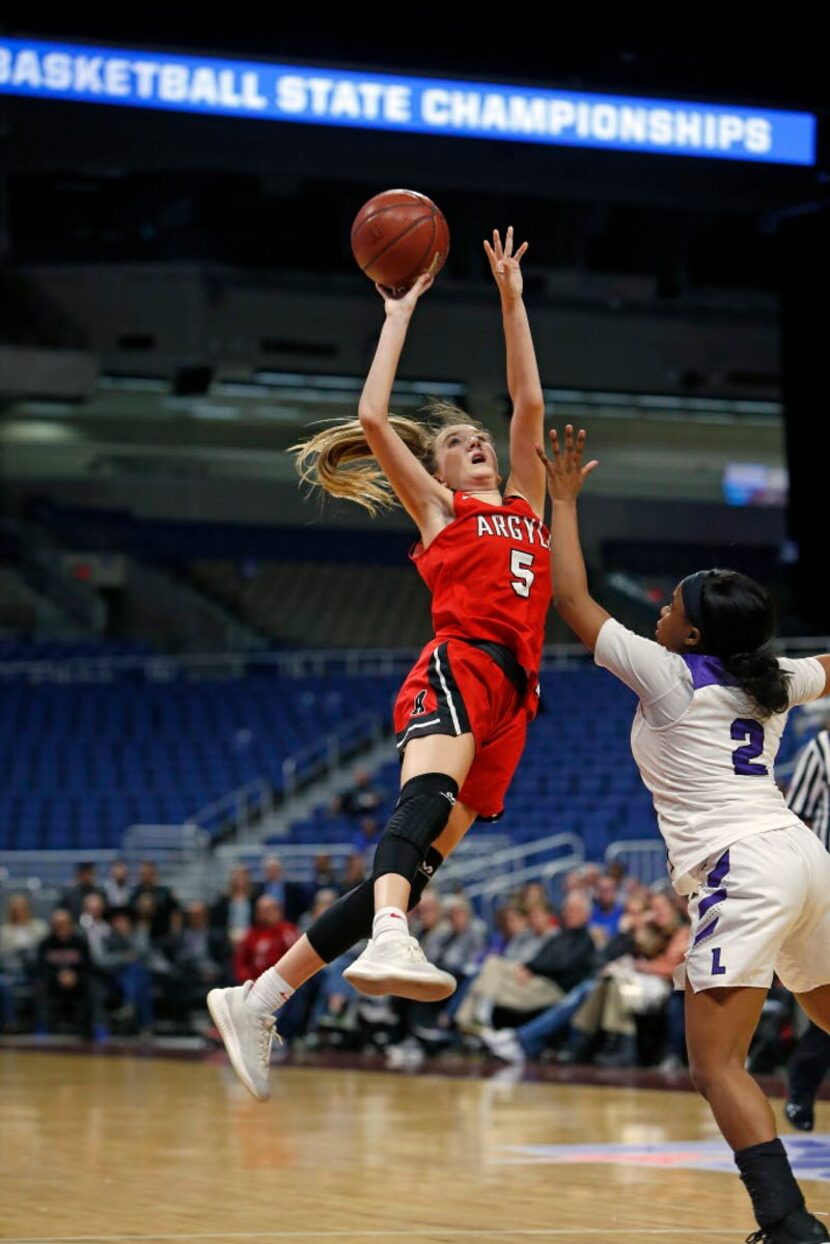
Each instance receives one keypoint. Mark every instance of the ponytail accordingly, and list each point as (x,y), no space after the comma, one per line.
(759,675)
(339,461)
(736,617)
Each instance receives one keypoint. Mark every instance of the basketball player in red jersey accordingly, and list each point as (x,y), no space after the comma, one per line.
(462,713)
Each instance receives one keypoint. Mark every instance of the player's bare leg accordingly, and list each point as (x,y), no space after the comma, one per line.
(393,962)
(719,1028)
(816,1005)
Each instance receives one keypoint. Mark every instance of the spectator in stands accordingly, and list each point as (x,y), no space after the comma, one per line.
(464,939)
(72,899)
(541,921)
(511,932)
(63,978)
(607,910)
(95,929)
(20,936)
(199,957)
(353,873)
(582,878)
(150,945)
(290,896)
(126,958)
(93,924)
(530,1039)
(335,1003)
(454,939)
(325,996)
(634,984)
(233,913)
(563,960)
(117,885)
(266,941)
(514,1045)
(618,872)
(525,929)
(164,901)
(425,919)
(367,838)
(323,899)
(323,876)
(533,894)
(360,799)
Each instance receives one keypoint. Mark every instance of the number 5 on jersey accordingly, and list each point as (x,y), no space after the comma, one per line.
(523,576)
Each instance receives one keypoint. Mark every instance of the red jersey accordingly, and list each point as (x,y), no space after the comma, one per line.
(489,574)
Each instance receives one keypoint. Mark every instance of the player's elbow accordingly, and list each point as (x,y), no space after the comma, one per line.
(529,405)
(369,417)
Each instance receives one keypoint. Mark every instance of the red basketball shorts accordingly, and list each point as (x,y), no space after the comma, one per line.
(454,689)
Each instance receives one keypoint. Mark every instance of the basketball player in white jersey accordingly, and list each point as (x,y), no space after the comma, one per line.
(713,706)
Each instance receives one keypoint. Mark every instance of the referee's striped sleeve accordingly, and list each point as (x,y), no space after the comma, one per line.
(807,782)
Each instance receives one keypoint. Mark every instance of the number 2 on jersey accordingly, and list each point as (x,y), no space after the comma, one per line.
(743,757)
(520,563)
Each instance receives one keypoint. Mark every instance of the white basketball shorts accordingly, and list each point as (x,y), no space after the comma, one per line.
(763,908)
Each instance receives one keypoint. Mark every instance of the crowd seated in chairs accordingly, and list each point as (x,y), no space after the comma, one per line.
(587,981)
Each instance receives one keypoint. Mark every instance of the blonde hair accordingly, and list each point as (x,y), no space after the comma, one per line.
(339,461)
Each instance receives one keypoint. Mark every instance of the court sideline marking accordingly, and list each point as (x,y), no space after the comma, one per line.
(455,1232)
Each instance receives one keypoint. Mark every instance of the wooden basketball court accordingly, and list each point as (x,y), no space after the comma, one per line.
(114,1149)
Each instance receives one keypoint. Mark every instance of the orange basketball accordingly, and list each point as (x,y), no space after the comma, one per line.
(397,236)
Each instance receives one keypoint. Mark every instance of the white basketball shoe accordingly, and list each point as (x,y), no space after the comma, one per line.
(247,1035)
(397,965)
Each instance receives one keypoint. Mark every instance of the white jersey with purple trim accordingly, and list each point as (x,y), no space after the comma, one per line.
(701,746)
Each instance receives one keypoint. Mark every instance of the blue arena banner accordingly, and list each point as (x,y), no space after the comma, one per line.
(270,92)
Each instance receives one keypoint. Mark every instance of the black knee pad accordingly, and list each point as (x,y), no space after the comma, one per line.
(421,813)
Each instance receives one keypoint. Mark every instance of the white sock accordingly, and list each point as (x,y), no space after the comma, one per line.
(389,922)
(269,993)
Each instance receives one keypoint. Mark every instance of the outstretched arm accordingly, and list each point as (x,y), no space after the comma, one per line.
(824,662)
(424,499)
(527,422)
(565,476)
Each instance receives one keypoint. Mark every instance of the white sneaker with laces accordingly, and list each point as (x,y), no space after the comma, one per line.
(397,965)
(247,1036)
(504,1043)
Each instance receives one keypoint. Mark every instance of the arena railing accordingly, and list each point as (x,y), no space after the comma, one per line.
(298,858)
(44,875)
(475,865)
(327,753)
(236,809)
(486,895)
(347,662)
(643,859)
(169,845)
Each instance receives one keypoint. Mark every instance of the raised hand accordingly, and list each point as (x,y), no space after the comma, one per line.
(405,304)
(565,472)
(504,265)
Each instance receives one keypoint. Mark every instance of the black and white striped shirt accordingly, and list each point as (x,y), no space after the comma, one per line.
(809,793)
